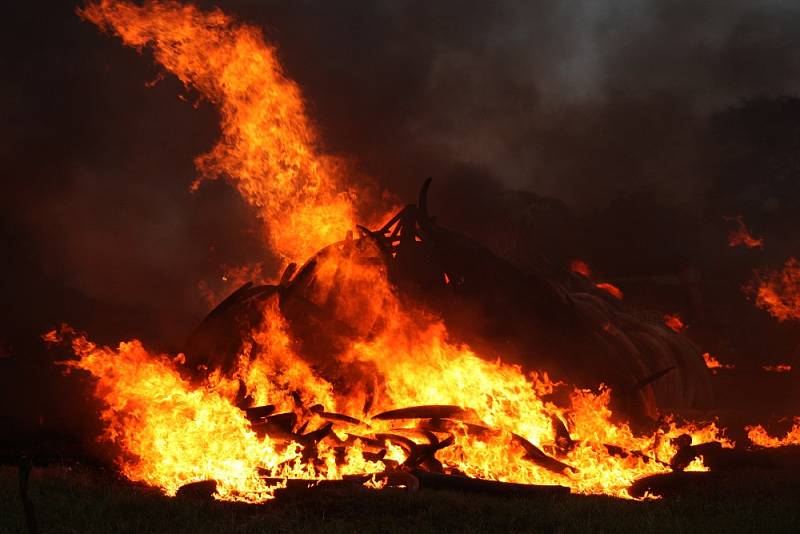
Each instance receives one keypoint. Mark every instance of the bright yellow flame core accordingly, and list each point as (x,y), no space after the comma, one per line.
(171,431)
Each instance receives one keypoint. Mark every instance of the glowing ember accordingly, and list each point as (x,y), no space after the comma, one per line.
(714,364)
(171,431)
(778,368)
(674,322)
(758,436)
(580,267)
(778,292)
(741,236)
(611,289)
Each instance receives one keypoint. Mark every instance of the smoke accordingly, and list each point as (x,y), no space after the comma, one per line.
(580,100)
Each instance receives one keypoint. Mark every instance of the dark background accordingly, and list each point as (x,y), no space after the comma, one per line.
(622,133)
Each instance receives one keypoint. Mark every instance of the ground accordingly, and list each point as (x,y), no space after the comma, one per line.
(78,500)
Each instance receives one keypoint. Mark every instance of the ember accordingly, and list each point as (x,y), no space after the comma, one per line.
(580,267)
(674,321)
(758,435)
(741,236)
(714,364)
(611,289)
(777,368)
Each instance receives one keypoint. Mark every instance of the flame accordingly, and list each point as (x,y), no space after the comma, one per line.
(171,430)
(741,236)
(269,147)
(778,292)
(714,364)
(674,321)
(777,368)
(580,267)
(611,289)
(758,436)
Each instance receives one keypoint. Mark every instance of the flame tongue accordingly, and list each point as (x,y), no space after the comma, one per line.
(268,146)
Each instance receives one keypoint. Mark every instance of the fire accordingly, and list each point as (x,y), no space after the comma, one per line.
(778,292)
(580,267)
(193,432)
(269,147)
(758,436)
(741,236)
(611,289)
(172,429)
(172,432)
(674,321)
(714,364)
(777,368)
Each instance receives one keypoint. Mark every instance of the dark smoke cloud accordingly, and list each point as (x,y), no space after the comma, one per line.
(580,100)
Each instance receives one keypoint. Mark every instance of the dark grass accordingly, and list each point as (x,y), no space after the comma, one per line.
(79,500)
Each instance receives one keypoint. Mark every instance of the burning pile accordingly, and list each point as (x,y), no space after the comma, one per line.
(172,432)
(334,371)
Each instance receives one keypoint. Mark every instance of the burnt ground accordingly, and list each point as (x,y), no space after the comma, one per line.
(69,500)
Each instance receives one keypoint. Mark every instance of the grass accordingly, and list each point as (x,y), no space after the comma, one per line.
(78,501)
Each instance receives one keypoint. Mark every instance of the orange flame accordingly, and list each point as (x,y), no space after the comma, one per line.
(778,292)
(269,147)
(758,435)
(582,268)
(674,321)
(172,432)
(741,236)
(714,364)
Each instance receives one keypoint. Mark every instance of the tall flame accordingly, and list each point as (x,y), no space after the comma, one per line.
(269,147)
